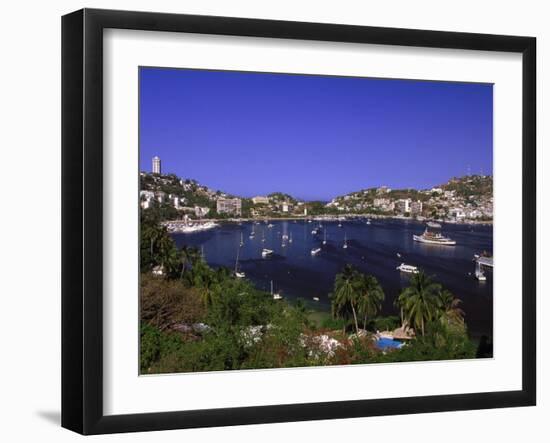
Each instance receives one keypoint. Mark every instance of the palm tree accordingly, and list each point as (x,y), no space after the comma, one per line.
(346,293)
(451,313)
(371,297)
(419,302)
(188,257)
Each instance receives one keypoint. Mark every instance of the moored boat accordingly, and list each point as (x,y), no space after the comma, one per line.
(267,252)
(432,235)
(410,269)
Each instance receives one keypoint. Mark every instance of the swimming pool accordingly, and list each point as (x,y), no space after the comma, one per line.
(385,343)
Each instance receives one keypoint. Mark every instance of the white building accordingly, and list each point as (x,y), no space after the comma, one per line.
(286,207)
(147,194)
(229,206)
(160,196)
(156,165)
(457,213)
(403,205)
(201,211)
(379,202)
(416,208)
(449,194)
(259,199)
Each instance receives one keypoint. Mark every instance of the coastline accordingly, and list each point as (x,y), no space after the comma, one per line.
(341,217)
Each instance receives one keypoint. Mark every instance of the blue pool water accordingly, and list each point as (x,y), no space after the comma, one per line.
(385,343)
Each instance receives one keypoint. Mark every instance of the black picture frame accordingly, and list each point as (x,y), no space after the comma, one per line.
(82,215)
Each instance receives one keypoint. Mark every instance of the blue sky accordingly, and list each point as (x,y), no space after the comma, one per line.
(314,137)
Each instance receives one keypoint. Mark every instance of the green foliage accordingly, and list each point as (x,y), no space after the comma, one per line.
(388,323)
(476,185)
(197,318)
(356,294)
(420,302)
(157,247)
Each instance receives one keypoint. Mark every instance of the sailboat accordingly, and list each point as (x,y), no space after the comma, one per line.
(241,244)
(238,274)
(263,236)
(290,238)
(325,238)
(252,234)
(345,241)
(276,295)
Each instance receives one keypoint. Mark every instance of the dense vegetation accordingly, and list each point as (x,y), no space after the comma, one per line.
(196,318)
(471,185)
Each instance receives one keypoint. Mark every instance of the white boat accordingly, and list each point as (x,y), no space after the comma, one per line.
(339,225)
(345,246)
(368,221)
(252,233)
(480,275)
(267,252)
(270,225)
(275,295)
(315,231)
(285,237)
(189,228)
(290,238)
(238,274)
(410,269)
(325,238)
(432,235)
(315,298)
(242,241)
(315,251)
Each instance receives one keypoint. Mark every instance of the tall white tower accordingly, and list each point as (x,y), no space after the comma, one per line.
(156,165)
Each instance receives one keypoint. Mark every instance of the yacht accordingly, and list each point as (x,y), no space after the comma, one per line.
(432,235)
(315,251)
(410,269)
(267,252)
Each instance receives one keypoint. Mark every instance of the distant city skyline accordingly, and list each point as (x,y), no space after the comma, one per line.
(314,137)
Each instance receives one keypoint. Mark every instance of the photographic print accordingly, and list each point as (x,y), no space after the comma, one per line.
(293,220)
